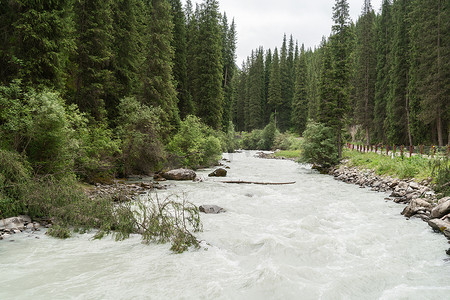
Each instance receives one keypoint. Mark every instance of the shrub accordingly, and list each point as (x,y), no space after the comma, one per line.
(139,130)
(195,144)
(319,146)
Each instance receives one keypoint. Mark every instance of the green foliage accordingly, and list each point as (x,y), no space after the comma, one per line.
(60,232)
(139,130)
(195,144)
(14,176)
(268,136)
(440,169)
(288,154)
(402,167)
(287,141)
(319,145)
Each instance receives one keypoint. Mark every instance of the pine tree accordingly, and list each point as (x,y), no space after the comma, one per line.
(209,66)
(398,129)
(39,39)
(256,90)
(179,44)
(430,73)
(229,66)
(91,74)
(365,69)
(384,61)
(268,69)
(339,78)
(158,88)
(274,99)
(284,109)
(300,101)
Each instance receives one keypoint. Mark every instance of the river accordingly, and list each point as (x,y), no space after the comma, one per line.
(316,239)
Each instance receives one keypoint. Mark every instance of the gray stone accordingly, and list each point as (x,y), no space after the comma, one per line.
(218,173)
(12,223)
(414,185)
(441,210)
(443,200)
(440,226)
(179,174)
(416,206)
(211,209)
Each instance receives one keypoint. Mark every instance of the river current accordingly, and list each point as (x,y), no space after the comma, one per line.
(316,239)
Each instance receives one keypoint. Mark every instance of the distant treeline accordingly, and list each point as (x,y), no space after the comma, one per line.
(385,79)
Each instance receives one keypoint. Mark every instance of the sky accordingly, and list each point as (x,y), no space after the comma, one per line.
(264,22)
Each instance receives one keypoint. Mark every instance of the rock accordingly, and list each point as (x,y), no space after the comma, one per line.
(443,200)
(401,185)
(414,185)
(218,173)
(12,223)
(211,209)
(441,210)
(448,251)
(179,174)
(416,206)
(440,226)
(25,219)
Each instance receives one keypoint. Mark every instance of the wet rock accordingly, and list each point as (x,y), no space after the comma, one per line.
(448,251)
(218,173)
(416,206)
(179,174)
(12,223)
(211,209)
(439,225)
(442,209)
(414,185)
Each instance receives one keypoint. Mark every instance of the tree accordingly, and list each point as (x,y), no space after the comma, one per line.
(430,73)
(158,88)
(208,79)
(274,99)
(179,44)
(300,101)
(365,69)
(256,90)
(384,61)
(284,109)
(398,127)
(229,67)
(335,83)
(91,74)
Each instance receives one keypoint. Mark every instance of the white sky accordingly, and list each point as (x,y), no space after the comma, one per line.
(264,22)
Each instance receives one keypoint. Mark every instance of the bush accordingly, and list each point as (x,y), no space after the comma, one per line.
(195,144)
(14,178)
(139,130)
(287,141)
(319,146)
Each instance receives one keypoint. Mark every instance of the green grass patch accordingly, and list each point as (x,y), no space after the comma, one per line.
(288,153)
(402,167)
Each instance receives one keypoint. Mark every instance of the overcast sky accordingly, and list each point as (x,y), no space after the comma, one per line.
(264,22)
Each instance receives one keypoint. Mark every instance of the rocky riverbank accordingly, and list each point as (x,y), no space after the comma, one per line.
(421,200)
(20,224)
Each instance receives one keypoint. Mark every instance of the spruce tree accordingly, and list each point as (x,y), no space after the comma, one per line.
(300,101)
(268,69)
(284,109)
(39,39)
(274,100)
(256,90)
(179,44)
(365,69)
(384,60)
(430,72)
(158,88)
(209,66)
(91,69)
(229,66)
(398,129)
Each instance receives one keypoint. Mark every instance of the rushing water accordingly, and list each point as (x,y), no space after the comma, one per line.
(315,239)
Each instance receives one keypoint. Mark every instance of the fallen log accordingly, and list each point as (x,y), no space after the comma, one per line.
(255,182)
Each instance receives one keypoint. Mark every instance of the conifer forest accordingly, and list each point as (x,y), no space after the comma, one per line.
(94,89)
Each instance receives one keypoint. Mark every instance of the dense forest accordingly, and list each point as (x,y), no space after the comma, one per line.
(384,79)
(94,90)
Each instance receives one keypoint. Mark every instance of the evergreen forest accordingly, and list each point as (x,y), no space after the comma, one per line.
(92,90)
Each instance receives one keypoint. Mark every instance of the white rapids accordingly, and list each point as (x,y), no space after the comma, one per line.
(316,239)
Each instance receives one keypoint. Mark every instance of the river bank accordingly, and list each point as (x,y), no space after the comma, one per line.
(422,202)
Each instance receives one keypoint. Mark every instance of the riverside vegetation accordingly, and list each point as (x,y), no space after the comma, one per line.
(92,91)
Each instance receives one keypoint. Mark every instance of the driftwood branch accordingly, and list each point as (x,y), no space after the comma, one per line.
(255,182)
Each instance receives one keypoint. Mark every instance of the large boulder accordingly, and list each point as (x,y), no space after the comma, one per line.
(442,209)
(415,206)
(179,174)
(211,209)
(218,173)
(17,223)
(440,226)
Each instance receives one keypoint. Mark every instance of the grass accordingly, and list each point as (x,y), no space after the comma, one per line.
(416,167)
(287,153)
